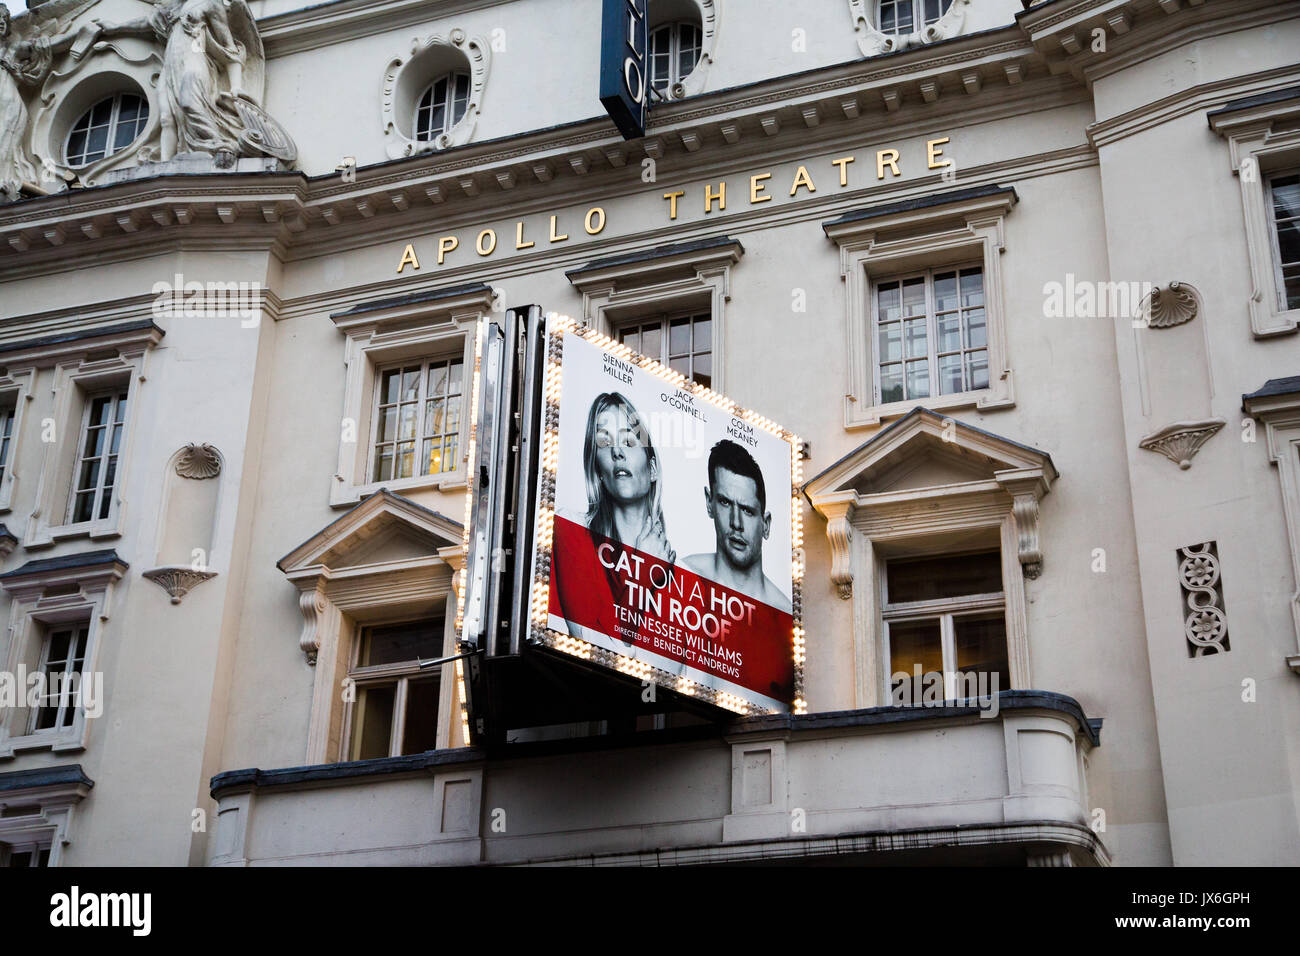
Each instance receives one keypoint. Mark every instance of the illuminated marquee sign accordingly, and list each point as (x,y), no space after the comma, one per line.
(623,65)
(668,543)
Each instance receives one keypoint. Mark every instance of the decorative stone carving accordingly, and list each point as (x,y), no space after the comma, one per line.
(406,79)
(1206,624)
(1025,490)
(178,580)
(199,461)
(1170,306)
(1181,441)
(873,42)
(693,82)
(29,43)
(212,77)
(839,529)
(312,603)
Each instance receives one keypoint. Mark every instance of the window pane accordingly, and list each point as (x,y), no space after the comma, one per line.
(450,455)
(914,338)
(945,291)
(391,386)
(406,422)
(703,371)
(981,645)
(394,643)
(913,645)
(977,369)
(889,297)
(679,337)
(421,730)
(374,721)
(387,430)
(383,463)
(914,296)
(949,374)
(84,507)
(918,379)
(20,860)
(928,579)
(405,460)
(891,342)
(682,364)
(433,456)
(1288,240)
(410,384)
(97,143)
(703,332)
(976,329)
(891,383)
(949,332)
(972,288)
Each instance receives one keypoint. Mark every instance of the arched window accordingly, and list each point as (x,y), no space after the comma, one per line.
(902,17)
(674,51)
(442,106)
(110,125)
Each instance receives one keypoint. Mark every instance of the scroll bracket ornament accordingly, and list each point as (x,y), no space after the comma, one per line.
(312,603)
(839,529)
(178,580)
(1025,490)
(1181,441)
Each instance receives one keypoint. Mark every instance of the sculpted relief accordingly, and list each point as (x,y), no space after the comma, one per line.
(182,83)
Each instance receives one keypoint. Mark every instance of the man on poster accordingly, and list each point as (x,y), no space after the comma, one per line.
(736,500)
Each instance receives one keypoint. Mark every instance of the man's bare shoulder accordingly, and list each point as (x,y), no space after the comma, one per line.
(774,598)
(699,563)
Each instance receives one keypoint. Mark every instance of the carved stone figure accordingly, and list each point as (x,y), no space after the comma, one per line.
(29,43)
(212,64)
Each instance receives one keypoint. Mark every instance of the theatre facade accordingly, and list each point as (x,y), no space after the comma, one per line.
(1019,282)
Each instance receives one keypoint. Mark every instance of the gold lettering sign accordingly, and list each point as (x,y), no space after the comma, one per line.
(712,197)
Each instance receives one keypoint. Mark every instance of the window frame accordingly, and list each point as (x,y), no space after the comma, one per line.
(1263,143)
(675,77)
(399,674)
(690,278)
(80,632)
(945,610)
(15,393)
(916,27)
(1275,239)
(425,363)
(452,78)
(931,326)
(141,122)
(44,601)
(118,396)
(383,337)
(34,845)
(963,228)
(665,320)
(116,359)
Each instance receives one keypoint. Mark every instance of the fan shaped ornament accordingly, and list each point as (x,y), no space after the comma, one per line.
(199,462)
(1173,305)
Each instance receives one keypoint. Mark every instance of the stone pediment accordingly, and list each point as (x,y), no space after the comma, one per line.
(925,450)
(929,473)
(385,531)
